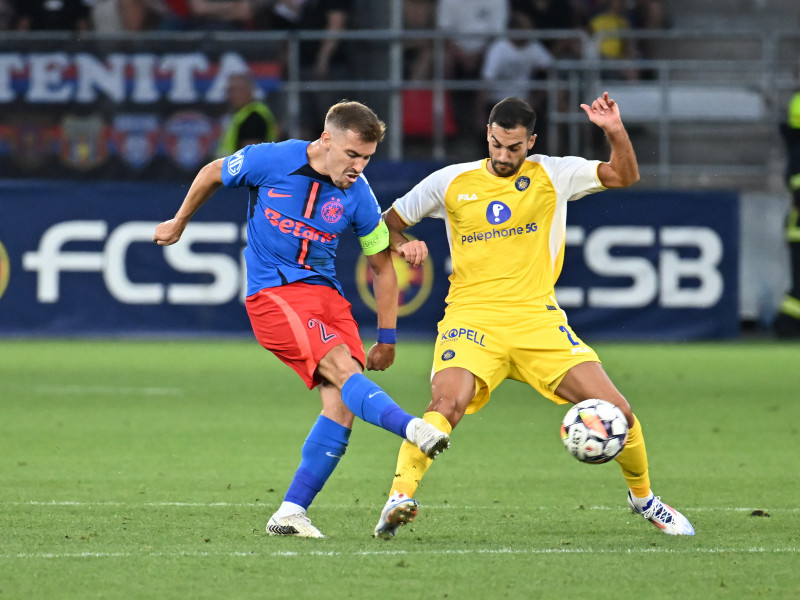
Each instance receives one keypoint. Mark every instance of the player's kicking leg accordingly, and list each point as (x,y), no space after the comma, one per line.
(589,380)
(660,514)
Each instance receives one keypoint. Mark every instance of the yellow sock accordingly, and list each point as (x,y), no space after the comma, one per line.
(633,461)
(412,463)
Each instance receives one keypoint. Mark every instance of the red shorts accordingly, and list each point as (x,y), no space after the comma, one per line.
(300,323)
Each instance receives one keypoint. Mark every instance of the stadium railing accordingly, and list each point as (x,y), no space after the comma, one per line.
(707,114)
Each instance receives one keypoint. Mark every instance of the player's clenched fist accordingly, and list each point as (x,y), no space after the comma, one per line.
(414,252)
(167,233)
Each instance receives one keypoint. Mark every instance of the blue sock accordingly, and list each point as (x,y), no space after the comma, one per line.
(369,402)
(322,450)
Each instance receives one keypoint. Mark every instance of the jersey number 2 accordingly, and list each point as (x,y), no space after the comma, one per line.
(323,334)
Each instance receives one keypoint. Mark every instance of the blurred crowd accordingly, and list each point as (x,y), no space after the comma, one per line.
(494,17)
(488,40)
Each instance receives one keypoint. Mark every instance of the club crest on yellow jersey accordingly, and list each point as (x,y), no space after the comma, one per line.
(522,183)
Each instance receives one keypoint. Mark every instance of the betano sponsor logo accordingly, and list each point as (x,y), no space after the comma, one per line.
(297,228)
(487,236)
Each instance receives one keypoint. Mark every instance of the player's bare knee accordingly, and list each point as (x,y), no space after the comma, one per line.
(337,366)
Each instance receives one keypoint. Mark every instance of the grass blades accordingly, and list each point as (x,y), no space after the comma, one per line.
(132,469)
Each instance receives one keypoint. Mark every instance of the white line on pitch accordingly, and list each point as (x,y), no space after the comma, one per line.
(369,506)
(416,552)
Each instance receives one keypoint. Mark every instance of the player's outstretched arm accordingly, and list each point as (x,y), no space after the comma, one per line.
(622,168)
(414,252)
(381,356)
(207,181)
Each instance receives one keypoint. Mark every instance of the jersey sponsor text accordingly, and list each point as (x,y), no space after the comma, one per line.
(297,228)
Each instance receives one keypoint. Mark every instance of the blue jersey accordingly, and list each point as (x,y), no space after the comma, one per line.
(295,215)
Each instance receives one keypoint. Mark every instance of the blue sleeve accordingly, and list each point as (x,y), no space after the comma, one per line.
(368,212)
(248,166)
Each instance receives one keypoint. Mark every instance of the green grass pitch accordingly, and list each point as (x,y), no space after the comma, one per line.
(148,470)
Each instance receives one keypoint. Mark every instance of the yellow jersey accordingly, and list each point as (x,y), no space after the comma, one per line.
(506,234)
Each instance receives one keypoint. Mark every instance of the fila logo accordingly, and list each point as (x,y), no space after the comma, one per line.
(467,197)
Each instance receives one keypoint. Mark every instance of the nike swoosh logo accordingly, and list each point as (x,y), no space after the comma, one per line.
(373,394)
(332,455)
(273,194)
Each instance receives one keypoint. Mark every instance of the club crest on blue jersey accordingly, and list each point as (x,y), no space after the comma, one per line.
(448,354)
(497,213)
(332,210)
(522,183)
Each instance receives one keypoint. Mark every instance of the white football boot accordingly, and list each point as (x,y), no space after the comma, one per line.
(297,525)
(663,516)
(399,510)
(427,438)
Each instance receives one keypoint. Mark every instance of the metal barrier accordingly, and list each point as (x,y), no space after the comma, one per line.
(715,82)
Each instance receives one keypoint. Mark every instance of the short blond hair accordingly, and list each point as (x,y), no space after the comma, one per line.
(357,117)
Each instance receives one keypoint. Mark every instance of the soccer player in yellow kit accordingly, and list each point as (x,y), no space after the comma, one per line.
(505,218)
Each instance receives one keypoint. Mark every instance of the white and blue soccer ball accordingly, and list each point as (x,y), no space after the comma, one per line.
(594,431)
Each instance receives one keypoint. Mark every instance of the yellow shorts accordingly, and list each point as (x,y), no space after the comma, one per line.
(533,344)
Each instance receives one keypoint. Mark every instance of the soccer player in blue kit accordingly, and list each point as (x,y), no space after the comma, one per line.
(303,195)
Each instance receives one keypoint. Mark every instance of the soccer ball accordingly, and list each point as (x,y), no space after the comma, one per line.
(594,431)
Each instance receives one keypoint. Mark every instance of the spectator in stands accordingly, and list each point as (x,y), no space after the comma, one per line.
(320,60)
(647,15)
(787,323)
(251,121)
(173,15)
(469,26)
(418,118)
(44,15)
(205,15)
(418,54)
(222,15)
(560,15)
(613,18)
(6,15)
(511,63)
(471,23)
(115,16)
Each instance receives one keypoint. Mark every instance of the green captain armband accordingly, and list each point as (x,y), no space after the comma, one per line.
(376,241)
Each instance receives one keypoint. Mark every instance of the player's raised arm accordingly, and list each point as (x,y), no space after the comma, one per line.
(414,252)
(622,168)
(207,181)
